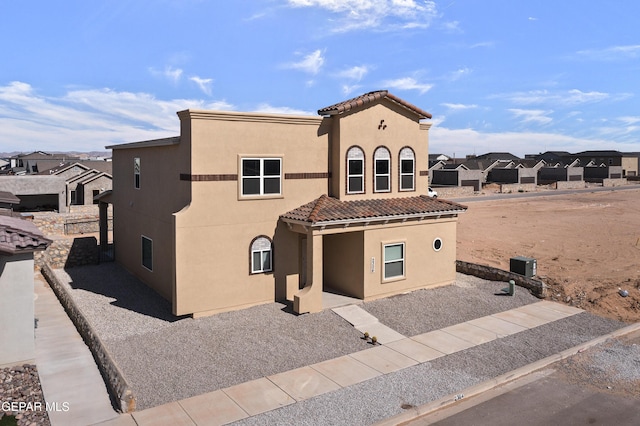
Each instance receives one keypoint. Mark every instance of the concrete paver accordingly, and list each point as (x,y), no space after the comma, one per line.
(571,310)
(542,312)
(68,373)
(521,318)
(498,326)
(384,359)
(415,350)
(345,371)
(170,414)
(382,333)
(258,396)
(213,408)
(471,333)
(355,315)
(304,383)
(443,342)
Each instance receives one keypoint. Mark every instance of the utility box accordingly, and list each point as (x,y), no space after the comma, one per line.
(523,265)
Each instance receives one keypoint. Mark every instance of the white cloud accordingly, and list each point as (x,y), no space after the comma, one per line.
(311,63)
(270,109)
(612,53)
(559,98)
(408,83)
(203,83)
(459,107)
(536,116)
(353,76)
(381,14)
(452,27)
(87,120)
(458,74)
(169,73)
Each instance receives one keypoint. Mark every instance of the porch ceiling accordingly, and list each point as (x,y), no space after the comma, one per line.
(327,210)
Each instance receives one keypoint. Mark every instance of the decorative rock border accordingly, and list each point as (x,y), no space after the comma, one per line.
(535,286)
(116,382)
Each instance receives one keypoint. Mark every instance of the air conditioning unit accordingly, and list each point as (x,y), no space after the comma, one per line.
(523,265)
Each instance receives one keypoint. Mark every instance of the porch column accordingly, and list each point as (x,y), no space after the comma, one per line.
(309,299)
(104,226)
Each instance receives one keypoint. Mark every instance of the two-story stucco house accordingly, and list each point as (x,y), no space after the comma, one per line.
(247,208)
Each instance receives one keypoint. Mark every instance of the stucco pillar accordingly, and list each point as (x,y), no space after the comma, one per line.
(104,226)
(309,299)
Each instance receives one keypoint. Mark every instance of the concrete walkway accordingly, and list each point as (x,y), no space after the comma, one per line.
(71,383)
(272,392)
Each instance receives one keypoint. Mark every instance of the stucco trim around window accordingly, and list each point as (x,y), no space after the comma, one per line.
(260,255)
(260,176)
(355,170)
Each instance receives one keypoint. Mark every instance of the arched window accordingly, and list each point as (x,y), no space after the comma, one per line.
(382,170)
(407,169)
(355,170)
(261,258)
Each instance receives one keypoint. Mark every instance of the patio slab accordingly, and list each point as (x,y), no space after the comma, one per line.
(304,383)
(498,326)
(170,414)
(521,318)
(443,342)
(384,359)
(258,396)
(345,371)
(543,313)
(471,333)
(415,350)
(355,315)
(560,307)
(213,408)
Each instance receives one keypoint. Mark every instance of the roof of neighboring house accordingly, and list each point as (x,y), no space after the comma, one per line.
(328,210)
(8,198)
(94,177)
(599,154)
(174,140)
(20,236)
(497,156)
(371,98)
(99,165)
(476,164)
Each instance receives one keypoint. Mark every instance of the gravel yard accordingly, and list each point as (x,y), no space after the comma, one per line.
(165,358)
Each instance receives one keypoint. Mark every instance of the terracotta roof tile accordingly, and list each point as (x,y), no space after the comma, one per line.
(328,209)
(20,236)
(369,98)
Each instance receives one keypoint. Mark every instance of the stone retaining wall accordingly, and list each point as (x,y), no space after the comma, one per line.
(578,184)
(453,191)
(507,188)
(83,220)
(614,182)
(536,287)
(115,380)
(67,253)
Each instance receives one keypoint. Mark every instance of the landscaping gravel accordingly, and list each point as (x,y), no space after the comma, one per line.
(165,358)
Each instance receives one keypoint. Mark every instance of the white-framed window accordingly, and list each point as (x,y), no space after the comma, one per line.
(437,244)
(261,255)
(355,170)
(147,253)
(393,259)
(136,173)
(407,169)
(261,176)
(382,170)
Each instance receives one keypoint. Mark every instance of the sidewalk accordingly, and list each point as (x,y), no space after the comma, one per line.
(70,380)
(291,387)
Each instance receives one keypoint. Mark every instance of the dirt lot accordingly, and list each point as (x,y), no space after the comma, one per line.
(587,245)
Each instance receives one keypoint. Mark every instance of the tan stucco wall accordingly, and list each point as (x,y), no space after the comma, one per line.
(630,166)
(148,211)
(214,233)
(400,129)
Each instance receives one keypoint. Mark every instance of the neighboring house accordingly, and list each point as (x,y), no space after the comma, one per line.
(83,182)
(456,175)
(493,156)
(484,167)
(38,161)
(36,192)
(19,238)
(630,164)
(247,208)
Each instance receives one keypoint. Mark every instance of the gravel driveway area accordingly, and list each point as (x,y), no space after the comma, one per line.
(166,358)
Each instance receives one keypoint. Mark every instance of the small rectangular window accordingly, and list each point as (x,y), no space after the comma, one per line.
(355,176)
(393,261)
(261,176)
(136,173)
(147,253)
(382,175)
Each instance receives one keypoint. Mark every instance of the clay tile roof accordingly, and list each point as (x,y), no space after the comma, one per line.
(370,98)
(20,236)
(325,210)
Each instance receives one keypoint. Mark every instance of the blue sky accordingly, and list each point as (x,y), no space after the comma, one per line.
(497,75)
